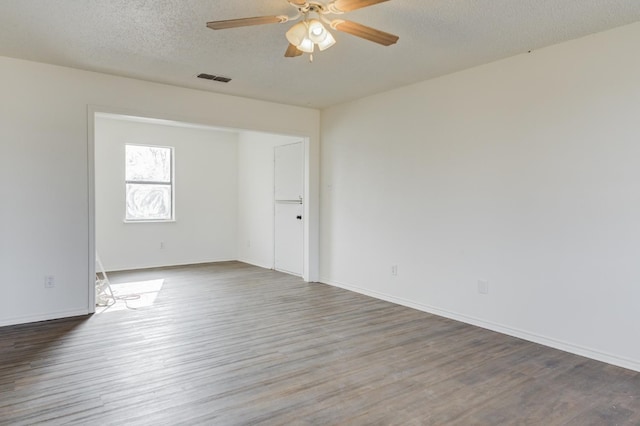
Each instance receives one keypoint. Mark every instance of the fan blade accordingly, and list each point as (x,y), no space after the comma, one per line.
(292,51)
(365,32)
(298,2)
(245,22)
(349,5)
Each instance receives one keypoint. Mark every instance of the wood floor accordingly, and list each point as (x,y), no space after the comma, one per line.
(232,344)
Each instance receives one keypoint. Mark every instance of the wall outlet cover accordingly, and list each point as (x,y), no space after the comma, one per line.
(49,281)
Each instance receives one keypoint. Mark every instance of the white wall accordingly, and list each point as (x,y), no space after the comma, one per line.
(205,196)
(44,166)
(255,196)
(523,172)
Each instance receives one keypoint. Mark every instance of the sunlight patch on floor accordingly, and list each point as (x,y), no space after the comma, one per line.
(132,295)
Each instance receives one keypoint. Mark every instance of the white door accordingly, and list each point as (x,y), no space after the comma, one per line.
(288,238)
(289,199)
(289,172)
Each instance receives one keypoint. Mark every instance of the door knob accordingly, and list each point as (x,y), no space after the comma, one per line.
(299,217)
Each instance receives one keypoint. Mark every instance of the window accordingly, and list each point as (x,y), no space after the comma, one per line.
(149,183)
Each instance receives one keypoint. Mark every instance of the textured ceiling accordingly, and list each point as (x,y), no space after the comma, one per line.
(167,41)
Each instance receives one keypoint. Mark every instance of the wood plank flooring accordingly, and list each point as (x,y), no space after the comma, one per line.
(233,344)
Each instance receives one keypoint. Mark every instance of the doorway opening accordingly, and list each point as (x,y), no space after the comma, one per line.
(223,200)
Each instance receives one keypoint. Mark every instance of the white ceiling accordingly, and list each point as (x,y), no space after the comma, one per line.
(167,41)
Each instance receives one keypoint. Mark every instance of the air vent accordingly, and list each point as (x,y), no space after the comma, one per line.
(214,78)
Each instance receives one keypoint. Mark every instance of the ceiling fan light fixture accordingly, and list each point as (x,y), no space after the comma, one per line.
(307,34)
(306,45)
(297,34)
(317,31)
(327,42)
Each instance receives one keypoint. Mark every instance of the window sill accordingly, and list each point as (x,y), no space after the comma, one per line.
(150,221)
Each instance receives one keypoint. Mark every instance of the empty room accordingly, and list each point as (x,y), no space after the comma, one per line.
(320,212)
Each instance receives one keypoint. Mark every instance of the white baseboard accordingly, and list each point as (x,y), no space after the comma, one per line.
(42,317)
(500,328)
(258,264)
(171,265)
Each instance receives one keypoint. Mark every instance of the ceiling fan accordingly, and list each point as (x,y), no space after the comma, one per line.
(310,32)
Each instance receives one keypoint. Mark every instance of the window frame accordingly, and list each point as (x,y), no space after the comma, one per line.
(171,184)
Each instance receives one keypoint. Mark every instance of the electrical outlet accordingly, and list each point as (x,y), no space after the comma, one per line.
(394,270)
(49,281)
(483,287)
